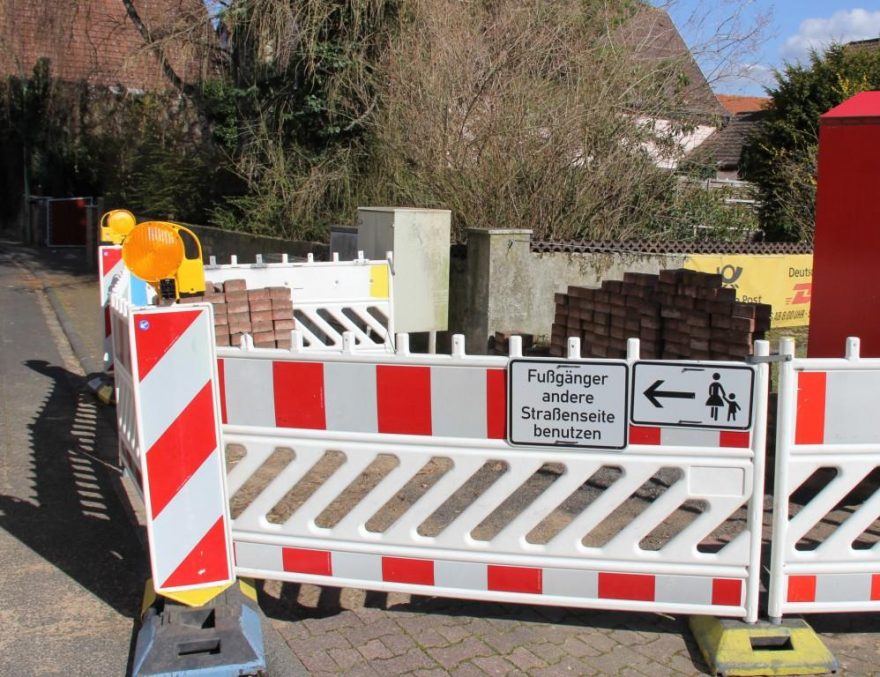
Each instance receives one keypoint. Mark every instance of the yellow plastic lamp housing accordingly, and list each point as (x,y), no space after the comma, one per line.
(153,251)
(116,225)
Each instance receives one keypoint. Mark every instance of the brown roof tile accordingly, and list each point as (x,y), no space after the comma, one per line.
(724,147)
(743,104)
(653,36)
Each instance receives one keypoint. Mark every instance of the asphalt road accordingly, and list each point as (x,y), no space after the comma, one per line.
(71,564)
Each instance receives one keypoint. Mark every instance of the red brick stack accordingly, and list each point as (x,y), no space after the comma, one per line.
(266,314)
(678,314)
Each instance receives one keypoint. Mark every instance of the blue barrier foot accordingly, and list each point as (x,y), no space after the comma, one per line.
(223,638)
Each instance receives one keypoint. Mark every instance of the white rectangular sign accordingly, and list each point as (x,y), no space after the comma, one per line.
(693,394)
(569,403)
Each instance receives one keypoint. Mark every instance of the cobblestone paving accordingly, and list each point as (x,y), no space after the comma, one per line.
(344,631)
(354,632)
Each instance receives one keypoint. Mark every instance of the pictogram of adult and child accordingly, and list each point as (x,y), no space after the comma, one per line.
(719,398)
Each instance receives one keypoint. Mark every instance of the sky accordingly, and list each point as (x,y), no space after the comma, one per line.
(791,28)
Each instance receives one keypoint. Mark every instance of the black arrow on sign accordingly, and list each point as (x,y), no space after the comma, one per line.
(653,394)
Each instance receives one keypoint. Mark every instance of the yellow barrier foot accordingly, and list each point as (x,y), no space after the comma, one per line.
(103,390)
(731,647)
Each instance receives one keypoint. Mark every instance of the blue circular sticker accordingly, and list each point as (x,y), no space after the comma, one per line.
(143,325)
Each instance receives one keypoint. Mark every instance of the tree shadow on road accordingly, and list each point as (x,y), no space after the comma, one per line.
(76,519)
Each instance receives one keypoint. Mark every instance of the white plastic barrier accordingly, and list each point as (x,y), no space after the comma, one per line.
(115,278)
(329,298)
(825,553)
(394,473)
(409,473)
(118,310)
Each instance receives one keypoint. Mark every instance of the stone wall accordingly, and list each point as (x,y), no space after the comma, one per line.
(224,243)
(502,285)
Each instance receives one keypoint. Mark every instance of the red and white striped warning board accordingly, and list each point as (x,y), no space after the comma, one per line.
(579,587)
(832,589)
(179,432)
(450,401)
(689,437)
(838,407)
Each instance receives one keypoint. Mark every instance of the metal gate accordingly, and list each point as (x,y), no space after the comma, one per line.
(825,553)
(68,220)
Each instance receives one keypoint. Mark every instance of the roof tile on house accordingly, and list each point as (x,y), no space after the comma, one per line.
(653,36)
(724,148)
(743,104)
(863,45)
(97,42)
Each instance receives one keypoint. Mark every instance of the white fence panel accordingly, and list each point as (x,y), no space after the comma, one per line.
(826,521)
(329,298)
(393,473)
(126,420)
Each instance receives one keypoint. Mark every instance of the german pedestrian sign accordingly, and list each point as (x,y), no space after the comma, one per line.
(568,403)
(692,394)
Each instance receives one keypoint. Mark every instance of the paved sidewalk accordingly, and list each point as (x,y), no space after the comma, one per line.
(333,631)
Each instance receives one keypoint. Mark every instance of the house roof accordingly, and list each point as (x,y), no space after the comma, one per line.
(724,148)
(743,104)
(859,45)
(653,37)
(97,42)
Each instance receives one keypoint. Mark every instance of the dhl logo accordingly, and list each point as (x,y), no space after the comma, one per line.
(802,294)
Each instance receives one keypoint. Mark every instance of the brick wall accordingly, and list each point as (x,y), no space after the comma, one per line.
(97,42)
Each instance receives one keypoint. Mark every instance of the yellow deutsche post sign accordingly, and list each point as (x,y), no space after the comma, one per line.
(784,281)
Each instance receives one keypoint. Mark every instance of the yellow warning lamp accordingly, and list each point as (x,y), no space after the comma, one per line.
(166,255)
(116,225)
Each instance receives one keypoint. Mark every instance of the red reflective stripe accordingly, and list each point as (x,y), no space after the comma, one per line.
(305,561)
(639,587)
(206,563)
(181,450)
(221,380)
(299,395)
(875,587)
(515,579)
(155,334)
(110,256)
(726,591)
(801,588)
(403,396)
(644,435)
(406,570)
(496,404)
(810,416)
(734,439)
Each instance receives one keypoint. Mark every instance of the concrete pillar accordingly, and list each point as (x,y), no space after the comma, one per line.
(497,284)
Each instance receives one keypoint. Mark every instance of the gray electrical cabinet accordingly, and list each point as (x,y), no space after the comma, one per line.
(418,240)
